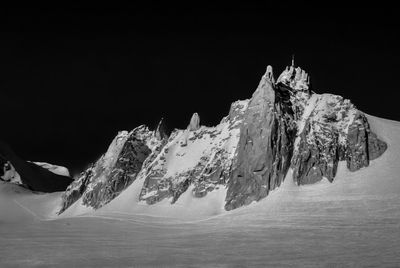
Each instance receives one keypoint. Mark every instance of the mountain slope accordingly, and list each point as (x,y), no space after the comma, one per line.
(285,124)
(375,186)
(322,214)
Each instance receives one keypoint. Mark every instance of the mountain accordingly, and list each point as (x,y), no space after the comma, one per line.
(36,176)
(321,177)
(284,126)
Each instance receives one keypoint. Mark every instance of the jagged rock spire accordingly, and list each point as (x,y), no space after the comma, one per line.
(266,138)
(296,78)
(267,78)
(269,74)
(280,127)
(161,131)
(194,122)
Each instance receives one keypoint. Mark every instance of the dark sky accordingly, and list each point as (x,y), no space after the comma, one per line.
(70,79)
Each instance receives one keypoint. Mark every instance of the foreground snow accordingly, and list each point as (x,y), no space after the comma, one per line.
(354,221)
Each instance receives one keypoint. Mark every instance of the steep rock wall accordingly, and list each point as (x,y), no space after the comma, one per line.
(265,145)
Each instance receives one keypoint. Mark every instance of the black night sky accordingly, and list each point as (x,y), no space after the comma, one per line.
(70,79)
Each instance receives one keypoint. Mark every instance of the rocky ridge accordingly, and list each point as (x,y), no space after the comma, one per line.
(284,125)
(115,170)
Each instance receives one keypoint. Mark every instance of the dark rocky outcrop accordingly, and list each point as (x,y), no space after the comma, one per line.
(32,176)
(265,145)
(76,189)
(316,159)
(376,147)
(124,172)
(362,144)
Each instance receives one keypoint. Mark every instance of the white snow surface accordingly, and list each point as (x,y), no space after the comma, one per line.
(59,170)
(354,221)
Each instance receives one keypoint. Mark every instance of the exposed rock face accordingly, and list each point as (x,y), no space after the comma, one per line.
(194,122)
(362,144)
(76,189)
(330,129)
(265,145)
(316,158)
(127,166)
(321,143)
(114,171)
(284,125)
(376,147)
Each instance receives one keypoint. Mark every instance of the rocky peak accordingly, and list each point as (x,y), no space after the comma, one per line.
(295,78)
(236,112)
(269,74)
(194,122)
(161,130)
(114,171)
(265,146)
(284,125)
(267,80)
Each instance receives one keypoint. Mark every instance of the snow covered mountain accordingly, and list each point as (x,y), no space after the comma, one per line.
(322,177)
(285,125)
